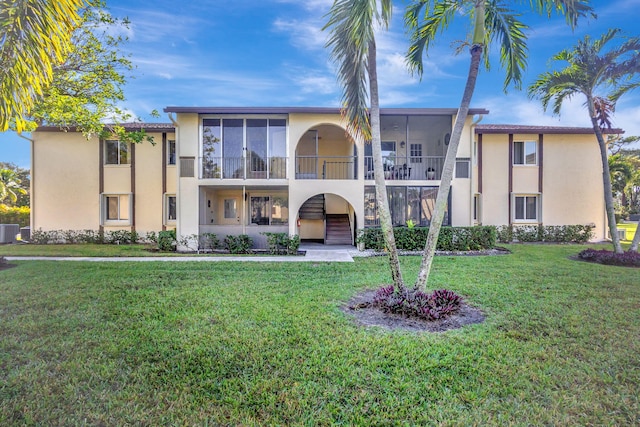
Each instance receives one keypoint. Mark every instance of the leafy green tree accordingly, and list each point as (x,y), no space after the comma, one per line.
(88,86)
(24,179)
(35,36)
(10,186)
(491,21)
(352,41)
(596,73)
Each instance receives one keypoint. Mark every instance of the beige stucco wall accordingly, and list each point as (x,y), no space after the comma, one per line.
(495,179)
(65,182)
(572,190)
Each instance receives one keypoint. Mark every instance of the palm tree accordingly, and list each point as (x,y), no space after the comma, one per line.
(591,71)
(492,21)
(35,36)
(353,48)
(10,186)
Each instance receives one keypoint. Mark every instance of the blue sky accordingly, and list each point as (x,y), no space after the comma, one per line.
(271,53)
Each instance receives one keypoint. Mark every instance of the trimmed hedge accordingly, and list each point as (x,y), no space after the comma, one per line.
(15,215)
(545,233)
(450,238)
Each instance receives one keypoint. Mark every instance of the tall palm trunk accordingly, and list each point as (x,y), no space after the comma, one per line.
(447,173)
(606,178)
(378,171)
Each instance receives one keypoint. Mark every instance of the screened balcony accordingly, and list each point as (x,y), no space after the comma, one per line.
(407,168)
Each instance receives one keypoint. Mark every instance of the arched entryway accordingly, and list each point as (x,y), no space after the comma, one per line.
(327,218)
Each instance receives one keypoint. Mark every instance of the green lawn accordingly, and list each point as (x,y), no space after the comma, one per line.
(266,344)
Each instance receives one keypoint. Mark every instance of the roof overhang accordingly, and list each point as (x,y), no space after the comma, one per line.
(521,129)
(318,110)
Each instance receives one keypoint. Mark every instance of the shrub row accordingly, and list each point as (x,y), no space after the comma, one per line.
(15,215)
(450,238)
(625,259)
(90,236)
(545,233)
(166,241)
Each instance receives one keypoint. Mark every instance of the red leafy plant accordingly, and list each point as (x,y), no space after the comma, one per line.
(438,304)
(625,259)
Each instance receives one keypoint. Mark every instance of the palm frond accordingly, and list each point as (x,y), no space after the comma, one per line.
(505,27)
(437,18)
(351,31)
(572,10)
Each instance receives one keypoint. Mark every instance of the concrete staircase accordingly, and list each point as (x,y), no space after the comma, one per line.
(338,230)
(312,208)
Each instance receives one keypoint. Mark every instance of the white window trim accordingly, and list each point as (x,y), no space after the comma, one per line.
(103,211)
(165,210)
(538,219)
(525,164)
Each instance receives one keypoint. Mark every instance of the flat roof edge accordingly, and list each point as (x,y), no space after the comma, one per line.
(314,110)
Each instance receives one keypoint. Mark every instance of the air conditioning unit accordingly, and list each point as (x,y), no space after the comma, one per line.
(622,233)
(8,233)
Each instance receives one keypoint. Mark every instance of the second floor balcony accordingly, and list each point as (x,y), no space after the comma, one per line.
(243,167)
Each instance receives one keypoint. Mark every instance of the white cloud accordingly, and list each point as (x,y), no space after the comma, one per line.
(304,34)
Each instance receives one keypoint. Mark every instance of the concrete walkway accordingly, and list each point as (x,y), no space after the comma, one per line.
(314,253)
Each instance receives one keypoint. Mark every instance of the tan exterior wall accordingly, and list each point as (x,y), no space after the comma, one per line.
(66,184)
(65,175)
(495,179)
(573,191)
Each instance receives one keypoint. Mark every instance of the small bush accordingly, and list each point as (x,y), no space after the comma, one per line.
(414,303)
(625,259)
(167,241)
(209,241)
(238,244)
(281,243)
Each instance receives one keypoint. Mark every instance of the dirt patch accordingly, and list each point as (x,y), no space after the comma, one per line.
(4,264)
(366,315)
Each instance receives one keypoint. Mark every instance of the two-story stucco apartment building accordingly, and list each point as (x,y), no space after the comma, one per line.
(295,170)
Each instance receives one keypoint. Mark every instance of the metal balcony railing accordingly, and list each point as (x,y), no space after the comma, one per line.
(407,168)
(243,167)
(325,167)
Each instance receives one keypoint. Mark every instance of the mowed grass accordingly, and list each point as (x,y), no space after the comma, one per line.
(267,344)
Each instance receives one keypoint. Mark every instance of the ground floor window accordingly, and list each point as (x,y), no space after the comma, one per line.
(476,209)
(405,203)
(171,211)
(526,208)
(116,209)
(269,210)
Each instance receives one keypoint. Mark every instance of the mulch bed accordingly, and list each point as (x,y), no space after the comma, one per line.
(364,314)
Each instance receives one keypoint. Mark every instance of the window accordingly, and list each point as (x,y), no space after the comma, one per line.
(171,208)
(415,153)
(414,203)
(525,208)
(269,210)
(230,209)
(171,152)
(116,208)
(116,153)
(462,168)
(525,153)
(476,208)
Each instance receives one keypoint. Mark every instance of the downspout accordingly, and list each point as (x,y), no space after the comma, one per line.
(473,160)
(31,198)
(178,204)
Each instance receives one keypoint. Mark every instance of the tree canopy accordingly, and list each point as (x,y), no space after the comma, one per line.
(35,36)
